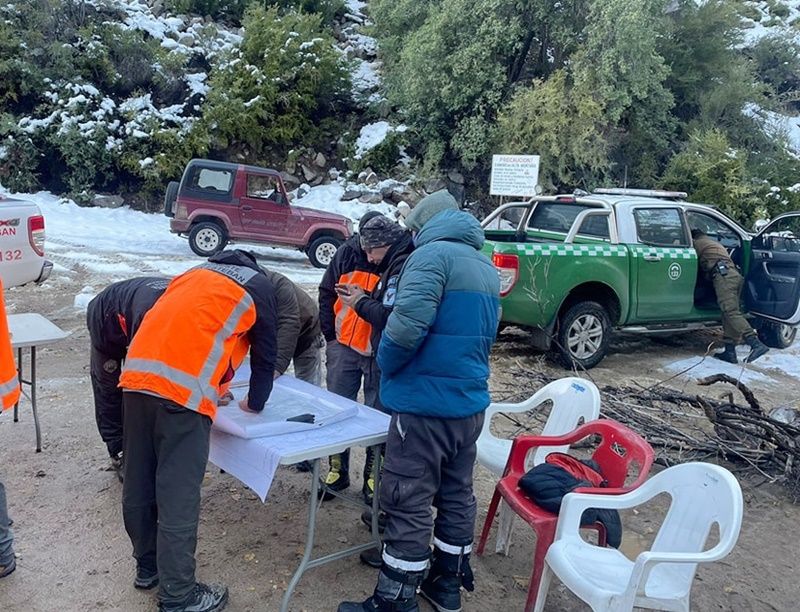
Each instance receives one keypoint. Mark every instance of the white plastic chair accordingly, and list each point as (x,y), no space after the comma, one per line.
(575,400)
(702,495)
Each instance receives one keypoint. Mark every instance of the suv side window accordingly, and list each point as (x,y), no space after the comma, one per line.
(263,187)
(211,179)
(660,227)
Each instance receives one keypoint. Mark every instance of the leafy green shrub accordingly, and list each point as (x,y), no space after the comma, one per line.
(712,172)
(384,157)
(19,157)
(279,86)
(227,11)
(564,128)
(777,62)
(329,10)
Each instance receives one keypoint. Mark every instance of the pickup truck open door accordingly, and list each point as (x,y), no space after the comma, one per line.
(772,287)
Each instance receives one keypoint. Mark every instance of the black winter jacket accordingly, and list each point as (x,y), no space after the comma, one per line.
(114,314)
(348,258)
(377,306)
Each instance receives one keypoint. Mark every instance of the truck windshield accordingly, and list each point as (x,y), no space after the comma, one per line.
(559,217)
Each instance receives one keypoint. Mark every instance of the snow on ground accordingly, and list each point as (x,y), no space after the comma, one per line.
(786,361)
(112,244)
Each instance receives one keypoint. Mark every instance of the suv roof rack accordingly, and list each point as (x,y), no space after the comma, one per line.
(650,193)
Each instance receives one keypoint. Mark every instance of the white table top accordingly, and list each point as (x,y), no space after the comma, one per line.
(32,329)
(254,461)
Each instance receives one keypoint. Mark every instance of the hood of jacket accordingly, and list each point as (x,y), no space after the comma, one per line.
(235,257)
(452,226)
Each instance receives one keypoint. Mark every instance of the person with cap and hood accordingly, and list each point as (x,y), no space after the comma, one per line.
(348,348)
(434,360)
(387,245)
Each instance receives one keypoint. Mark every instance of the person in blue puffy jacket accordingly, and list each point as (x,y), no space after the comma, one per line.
(434,361)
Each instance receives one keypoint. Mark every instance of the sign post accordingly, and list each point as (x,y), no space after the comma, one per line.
(514,175)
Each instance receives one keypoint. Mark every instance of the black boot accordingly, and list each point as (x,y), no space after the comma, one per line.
(448,573)
(396,591)
(338,478)
(729,354)
(757,348)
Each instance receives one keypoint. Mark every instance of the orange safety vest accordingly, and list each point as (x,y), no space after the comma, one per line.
(9,384)
(352,330)
(191,341)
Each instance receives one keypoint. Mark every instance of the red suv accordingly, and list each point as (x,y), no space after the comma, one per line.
(217,203)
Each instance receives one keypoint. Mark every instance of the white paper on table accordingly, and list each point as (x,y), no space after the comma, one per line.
(252,463)
(290,397)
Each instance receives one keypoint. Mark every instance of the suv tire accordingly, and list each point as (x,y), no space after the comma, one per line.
(207,238)
(583,335)
(322,250)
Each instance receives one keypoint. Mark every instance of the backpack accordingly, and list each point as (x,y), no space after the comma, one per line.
(547,484)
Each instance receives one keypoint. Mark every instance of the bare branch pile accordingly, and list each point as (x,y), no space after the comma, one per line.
(686,427)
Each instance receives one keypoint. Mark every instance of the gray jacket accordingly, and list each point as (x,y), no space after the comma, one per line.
(298,319)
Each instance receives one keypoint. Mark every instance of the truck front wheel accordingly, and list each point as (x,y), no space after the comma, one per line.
(322,251)
(583,335)
(207,238)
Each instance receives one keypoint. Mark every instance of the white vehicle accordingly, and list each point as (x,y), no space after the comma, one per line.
(22,243)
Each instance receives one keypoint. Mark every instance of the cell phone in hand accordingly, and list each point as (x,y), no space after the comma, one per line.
(342,290)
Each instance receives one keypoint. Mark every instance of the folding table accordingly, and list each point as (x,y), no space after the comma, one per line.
(31,330)
(254,462)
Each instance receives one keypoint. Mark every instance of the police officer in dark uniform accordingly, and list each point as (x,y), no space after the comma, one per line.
(113,316)
(714,260)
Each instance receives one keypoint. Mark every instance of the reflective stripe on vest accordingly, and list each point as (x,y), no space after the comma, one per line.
(9,391)
(201,386)
(352,330)
(9,385)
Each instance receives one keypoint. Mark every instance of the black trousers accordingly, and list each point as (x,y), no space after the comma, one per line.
(104,370)
(166,451)
(429,462)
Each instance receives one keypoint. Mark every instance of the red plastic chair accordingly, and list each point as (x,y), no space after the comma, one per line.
(619,449)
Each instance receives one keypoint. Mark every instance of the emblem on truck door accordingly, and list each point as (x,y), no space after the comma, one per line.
(675,271)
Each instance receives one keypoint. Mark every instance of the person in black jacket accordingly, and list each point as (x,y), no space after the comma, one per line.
(348,350)
(386,245)
(113,316)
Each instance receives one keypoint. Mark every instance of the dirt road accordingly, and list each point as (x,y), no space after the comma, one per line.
(74,556)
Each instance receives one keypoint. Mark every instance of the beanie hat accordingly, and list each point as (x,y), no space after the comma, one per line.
(380,232)
(428,207)
(370,214)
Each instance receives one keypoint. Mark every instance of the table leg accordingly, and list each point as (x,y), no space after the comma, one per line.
(307,562)
(19,378)
(33,401)
(312,522)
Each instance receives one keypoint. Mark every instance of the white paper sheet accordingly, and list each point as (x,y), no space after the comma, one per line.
(290,397)
(255,461)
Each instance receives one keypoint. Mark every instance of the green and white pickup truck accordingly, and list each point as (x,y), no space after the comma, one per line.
(575,267)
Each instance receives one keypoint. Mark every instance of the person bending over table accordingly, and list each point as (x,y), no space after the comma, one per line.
(188,345)
(112,317)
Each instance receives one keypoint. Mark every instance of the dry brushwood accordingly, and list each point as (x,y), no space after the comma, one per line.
(676,425)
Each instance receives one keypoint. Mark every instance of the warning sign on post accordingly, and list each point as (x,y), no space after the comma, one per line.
(514,175)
